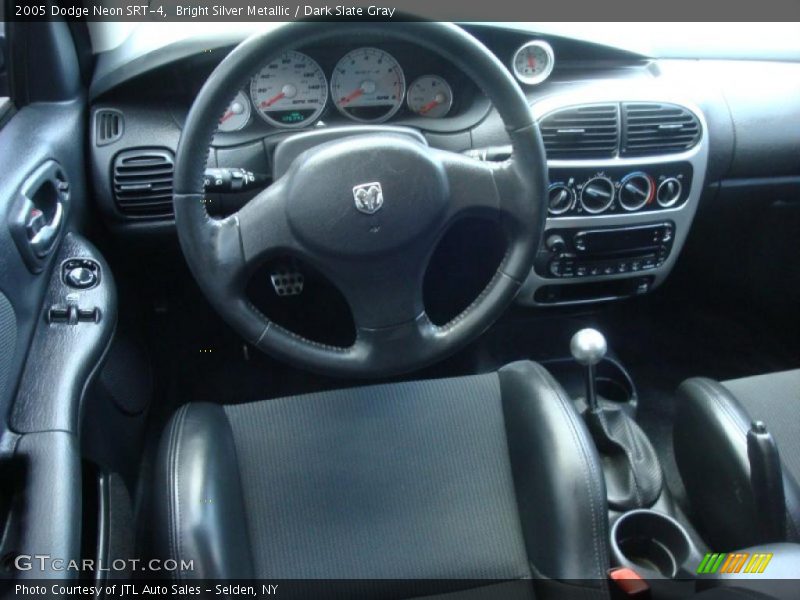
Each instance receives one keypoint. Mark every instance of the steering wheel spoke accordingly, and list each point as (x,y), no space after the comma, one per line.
(382,292)
(472,187)
(381,347)
(264,228)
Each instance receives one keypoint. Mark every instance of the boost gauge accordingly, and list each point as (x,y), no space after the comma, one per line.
(291,91)
(430,96)
(533,62)
(368,85)
(236,115)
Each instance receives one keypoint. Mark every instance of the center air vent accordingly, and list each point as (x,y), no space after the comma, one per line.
(654,128)
(578,132)
(143,182)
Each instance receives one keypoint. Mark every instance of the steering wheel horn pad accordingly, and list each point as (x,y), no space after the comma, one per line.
(366,210)
(365,195)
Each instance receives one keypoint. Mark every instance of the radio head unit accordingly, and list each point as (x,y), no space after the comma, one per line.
(600,251)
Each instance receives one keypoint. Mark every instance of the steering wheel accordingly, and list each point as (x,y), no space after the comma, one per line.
(366,210)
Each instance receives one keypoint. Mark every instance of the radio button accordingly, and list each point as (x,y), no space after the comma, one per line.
(556,244)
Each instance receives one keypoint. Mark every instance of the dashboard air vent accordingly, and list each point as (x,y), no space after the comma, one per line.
(653,128)
(143,182)
(590,131)
(108,126)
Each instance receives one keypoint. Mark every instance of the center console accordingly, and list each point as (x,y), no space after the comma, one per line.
(625,173)
(655,550)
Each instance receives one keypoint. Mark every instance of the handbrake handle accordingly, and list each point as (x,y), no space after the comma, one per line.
(766,481)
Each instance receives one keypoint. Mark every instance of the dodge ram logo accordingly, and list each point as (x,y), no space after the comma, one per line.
(368,197)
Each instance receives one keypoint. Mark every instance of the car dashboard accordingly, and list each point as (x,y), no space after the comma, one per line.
(632,143)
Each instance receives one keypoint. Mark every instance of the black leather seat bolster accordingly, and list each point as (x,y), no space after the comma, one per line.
(557,476)
(710,442)
(197,485)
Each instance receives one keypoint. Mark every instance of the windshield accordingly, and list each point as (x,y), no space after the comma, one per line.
(754,41)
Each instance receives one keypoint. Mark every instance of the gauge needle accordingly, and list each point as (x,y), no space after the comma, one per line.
(531,61)
(429,106)
(227,116)
(273,100)
(352,96)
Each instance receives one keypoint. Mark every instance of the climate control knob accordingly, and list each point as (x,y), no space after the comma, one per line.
(669,192)
(636,190)
(597,194)
(560,198)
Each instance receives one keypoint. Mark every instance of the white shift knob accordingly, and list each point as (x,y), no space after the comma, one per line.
(588,346)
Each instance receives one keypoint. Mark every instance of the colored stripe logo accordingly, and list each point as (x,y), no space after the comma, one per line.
(734,562)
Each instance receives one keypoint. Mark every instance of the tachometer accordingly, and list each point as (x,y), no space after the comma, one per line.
(430,96)
(291,91)
(236,115)
(368,85)
(533,62)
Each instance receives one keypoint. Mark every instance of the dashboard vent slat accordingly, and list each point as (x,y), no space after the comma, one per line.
(590,131)
(109,125)
(651,128)
(142,180)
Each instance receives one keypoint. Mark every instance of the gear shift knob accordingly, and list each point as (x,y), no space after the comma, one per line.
(588,347)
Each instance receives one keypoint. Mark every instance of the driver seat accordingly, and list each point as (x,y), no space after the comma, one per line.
(486,477)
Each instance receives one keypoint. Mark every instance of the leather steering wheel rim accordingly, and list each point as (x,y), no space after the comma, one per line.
(372,263)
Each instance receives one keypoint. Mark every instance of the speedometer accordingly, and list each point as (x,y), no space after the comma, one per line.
(368,85)
(291,91)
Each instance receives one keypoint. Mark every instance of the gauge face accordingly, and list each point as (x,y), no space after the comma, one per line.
(533,62)
(291,91)
(430,96)
(368,85)
(236,115)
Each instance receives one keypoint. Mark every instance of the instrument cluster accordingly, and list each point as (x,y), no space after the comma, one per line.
(366,85)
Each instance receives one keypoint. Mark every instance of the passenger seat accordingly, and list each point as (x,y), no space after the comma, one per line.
(712,421)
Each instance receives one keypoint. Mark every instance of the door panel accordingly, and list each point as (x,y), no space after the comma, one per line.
(42,194)
(34,136)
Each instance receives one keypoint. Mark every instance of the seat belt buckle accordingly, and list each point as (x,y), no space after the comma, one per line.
(627,584)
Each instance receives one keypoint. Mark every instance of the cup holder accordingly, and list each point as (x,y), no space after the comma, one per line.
(654,542)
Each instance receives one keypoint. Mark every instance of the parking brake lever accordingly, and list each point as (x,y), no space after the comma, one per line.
(766,481)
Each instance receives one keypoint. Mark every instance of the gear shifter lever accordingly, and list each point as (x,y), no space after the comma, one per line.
(631,468)
(588,347)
